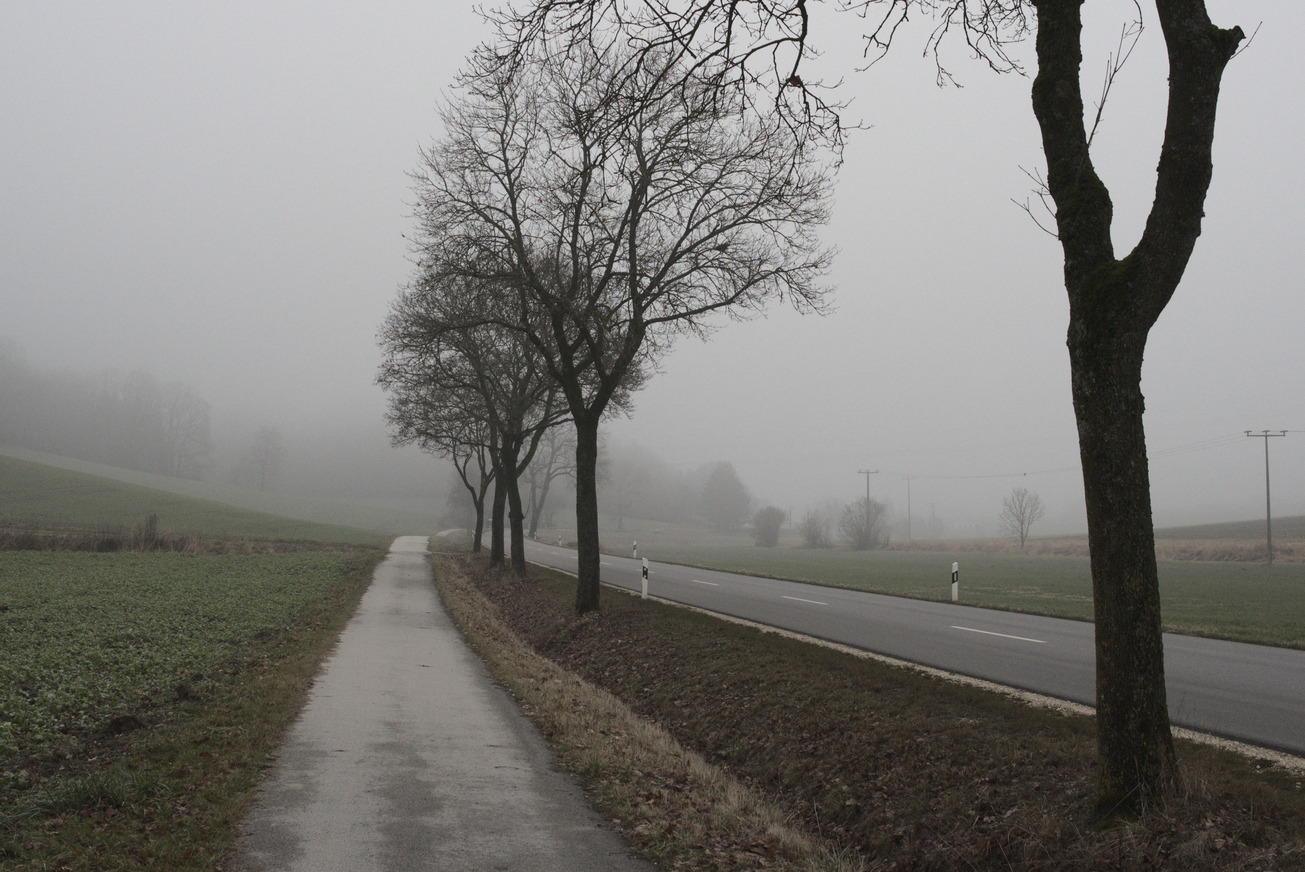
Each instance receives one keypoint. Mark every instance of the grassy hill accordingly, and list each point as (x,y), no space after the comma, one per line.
(388,516)
(34,493)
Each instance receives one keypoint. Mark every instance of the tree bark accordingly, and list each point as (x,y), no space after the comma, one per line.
(586,513)
(1113,305)
(497,553)
(477,540)
(1134,743)
(508,469)
(538,499)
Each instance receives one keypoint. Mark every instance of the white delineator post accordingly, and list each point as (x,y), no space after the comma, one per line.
(644,585)
(956,582)
(634,549)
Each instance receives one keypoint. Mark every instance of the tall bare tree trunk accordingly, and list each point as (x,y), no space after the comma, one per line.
(1113,305)
(508,455)
(497,552)
(477,540)
(586,513)
(1135,745)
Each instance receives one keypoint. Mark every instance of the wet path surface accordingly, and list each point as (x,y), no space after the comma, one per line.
(407,757)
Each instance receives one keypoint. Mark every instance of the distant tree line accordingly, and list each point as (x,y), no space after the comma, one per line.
(127,419)
(131,420)
(635,482)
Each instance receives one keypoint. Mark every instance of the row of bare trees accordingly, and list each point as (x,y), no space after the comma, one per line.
(472,390)
(755,52)
(586,205)
(586,132)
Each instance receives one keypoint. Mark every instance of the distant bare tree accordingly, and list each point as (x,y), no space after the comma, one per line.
(554,459)
(123,419)
(187,443)
(261,462)
(1019,512)
(623,484)
(601,215)
(445,423)
(475,479)
(814,529)
(766,524)
(865,524)
(435,356)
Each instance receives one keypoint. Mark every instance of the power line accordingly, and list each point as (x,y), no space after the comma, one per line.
(1161,454)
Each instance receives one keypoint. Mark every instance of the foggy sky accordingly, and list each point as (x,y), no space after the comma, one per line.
(217,192)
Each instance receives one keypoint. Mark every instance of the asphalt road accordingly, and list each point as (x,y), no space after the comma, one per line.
(1251,693)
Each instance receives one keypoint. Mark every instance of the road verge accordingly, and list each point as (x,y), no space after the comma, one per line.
(905,770)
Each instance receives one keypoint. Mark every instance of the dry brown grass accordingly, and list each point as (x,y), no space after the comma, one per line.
(904,771)
(675,807)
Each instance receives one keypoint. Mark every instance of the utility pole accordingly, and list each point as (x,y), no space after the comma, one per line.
(908,506)
(867,473)
(1268,508)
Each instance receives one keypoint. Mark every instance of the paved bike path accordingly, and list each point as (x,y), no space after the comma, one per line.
(408,758)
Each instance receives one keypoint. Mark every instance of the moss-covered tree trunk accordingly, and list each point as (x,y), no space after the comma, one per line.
(1113,305)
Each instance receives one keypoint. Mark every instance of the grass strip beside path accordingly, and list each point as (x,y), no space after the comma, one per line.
(677,809)
(899,769)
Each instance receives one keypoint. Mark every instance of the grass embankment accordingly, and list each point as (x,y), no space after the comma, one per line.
(142,694)
(677,808)
(904,770)
(1241,601)
(42,496)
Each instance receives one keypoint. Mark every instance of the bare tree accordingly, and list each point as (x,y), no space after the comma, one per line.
(865,525)
(186,440)
(604,215)
(1019,511)
(814,529)
(1114,300)
(766,524)
(480,376)
(623,484)
(477,449)
(554,459)
(441,423)
(261,462)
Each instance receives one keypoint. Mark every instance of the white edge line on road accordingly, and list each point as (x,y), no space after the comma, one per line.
(700,581)
(799,599)
(1003,635)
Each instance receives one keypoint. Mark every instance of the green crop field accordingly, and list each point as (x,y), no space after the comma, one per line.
(89,637)
(41,494)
